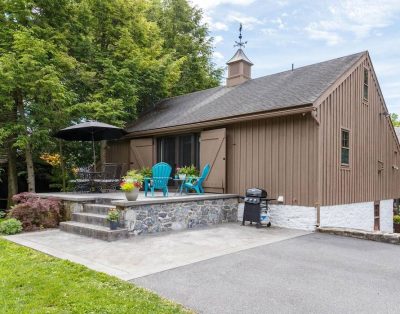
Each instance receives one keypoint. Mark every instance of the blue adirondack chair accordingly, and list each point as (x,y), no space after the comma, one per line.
(194,183)
(161,173)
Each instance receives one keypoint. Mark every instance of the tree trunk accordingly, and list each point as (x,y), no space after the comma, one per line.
(12,173)
(62,165)
(29,168)
(103,153)
(19,102)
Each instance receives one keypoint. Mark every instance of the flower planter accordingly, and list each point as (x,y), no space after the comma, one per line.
(132,195)
(113,225)
(396,228)
(182,176)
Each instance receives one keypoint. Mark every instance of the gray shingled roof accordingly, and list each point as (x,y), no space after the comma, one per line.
(277,91)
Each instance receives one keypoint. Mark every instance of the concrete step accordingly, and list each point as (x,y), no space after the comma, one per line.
(97,208)
(92,219)
(94,231)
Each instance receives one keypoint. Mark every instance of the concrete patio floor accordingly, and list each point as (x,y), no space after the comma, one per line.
(145,255)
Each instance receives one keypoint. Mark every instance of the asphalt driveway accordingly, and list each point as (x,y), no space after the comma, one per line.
(315,273)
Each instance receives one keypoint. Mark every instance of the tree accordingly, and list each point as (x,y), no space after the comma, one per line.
(188,39)
(395,119)
(69,60)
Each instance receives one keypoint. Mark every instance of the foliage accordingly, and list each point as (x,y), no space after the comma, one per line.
(396,219)
(131,181)
(38,283)
(2,213)
(395,119)
(10,226)
(146,172)
(68,61)
(36,213)
(113,215)
(190,171)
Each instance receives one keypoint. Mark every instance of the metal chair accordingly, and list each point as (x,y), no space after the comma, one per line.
(83,181)
(110,178)
(161,173)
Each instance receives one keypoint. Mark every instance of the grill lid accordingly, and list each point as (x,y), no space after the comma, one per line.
(256,192)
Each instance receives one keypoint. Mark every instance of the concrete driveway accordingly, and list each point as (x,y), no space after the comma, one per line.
(314,273)
(143,255)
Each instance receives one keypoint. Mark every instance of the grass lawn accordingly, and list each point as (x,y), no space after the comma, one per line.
(32,282)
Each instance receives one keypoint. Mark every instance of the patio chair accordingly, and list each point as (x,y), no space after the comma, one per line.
(195,183)
(110,178)
(161,173)
(83,181)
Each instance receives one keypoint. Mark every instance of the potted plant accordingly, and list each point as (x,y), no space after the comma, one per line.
(180,171)
(396,223)
(113,218)
(131,183)
(188,171)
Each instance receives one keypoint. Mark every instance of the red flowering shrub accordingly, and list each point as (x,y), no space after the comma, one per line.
(35,212)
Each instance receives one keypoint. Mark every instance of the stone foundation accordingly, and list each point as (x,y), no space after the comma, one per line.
(167,216)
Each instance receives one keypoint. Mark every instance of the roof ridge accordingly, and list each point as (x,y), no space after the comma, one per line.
(309,65)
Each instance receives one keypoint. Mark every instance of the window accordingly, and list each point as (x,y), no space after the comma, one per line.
(365,84)
(181,150)
(345,152)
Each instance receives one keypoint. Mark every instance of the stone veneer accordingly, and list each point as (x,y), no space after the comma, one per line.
(178,215)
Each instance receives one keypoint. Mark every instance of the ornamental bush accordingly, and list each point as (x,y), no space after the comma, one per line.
(396,219)
(35,212)
(10,226)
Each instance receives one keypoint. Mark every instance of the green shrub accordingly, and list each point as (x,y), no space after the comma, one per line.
(10,226)
(396,219)
(146,172)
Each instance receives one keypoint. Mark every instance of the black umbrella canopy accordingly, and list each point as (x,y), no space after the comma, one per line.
(91,131)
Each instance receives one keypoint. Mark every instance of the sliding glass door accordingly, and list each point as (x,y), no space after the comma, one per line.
(179,151)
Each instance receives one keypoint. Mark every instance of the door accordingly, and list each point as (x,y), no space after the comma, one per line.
(141,153)
(213,152)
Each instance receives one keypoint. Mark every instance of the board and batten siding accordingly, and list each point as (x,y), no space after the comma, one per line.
(118,152)
(372,140)
(277,154)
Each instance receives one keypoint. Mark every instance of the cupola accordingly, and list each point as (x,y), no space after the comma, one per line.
(239,66)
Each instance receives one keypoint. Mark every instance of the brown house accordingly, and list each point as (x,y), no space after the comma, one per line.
(319,135)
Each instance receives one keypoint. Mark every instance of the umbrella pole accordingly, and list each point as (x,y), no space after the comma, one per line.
(94,153)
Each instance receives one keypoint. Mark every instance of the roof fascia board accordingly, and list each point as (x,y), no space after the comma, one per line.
(189,127)
(339,81)
(383,100)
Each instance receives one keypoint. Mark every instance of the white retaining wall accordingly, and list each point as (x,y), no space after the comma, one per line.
(358,216)
(288,216)
(386,215)
(354,216)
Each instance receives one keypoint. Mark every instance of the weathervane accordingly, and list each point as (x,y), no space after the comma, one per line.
(240,44)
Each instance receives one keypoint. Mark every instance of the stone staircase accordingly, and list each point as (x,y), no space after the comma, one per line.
(92,222)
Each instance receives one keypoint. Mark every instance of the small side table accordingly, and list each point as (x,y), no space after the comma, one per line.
(179,183)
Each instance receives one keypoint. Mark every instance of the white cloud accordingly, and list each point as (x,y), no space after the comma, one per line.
(218,39)
(208,4)
(315,32)
(214,26)
(217,55)
(249,22)
(353,17)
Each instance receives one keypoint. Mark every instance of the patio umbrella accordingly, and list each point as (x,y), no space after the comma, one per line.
(91,131)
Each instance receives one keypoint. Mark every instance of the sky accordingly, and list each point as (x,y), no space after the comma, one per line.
(283,32)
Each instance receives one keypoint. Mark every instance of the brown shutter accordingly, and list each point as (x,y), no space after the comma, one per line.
(213,152)
(141,153)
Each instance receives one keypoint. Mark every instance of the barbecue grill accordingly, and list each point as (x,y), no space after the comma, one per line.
(255,202)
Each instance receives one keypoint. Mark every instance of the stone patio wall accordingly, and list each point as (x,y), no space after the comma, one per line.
(151,218)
